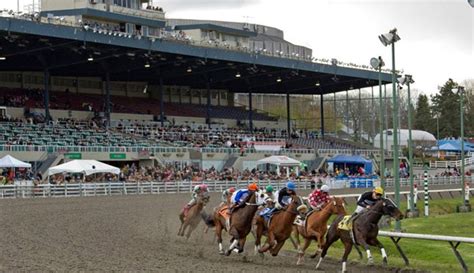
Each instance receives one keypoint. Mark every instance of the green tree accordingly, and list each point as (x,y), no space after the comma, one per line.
(446,106)
(423,115)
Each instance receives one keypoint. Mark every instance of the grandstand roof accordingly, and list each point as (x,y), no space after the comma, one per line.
(65,50)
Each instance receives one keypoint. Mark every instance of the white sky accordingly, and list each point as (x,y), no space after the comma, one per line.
(437,36)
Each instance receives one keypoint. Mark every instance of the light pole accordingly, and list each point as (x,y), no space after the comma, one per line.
(465,206)
(377,63)
(390,39)
(437,133)
(408,80)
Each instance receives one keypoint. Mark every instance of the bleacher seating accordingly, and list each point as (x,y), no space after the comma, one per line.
(121,104)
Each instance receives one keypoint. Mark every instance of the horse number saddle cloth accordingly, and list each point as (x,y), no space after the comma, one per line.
(224,212)
(345,224)
(267,215)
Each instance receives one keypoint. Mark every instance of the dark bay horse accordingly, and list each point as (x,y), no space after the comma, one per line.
(191,219)
(365,230)
(316,226)
(241,222)
(279,230)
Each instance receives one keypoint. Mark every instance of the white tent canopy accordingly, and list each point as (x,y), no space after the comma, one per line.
(280,161)
(9,161)
(87,167)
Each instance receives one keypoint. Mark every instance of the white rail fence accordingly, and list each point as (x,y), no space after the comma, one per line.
(453,241)
(28,190)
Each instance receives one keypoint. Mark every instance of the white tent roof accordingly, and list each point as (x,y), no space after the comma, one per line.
(9,161)
(83,166)
(279,160)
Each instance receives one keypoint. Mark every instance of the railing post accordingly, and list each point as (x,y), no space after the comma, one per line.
(426,195)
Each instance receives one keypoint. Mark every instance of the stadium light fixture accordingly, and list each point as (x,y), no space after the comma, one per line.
(238,75)
(147,65)
(90,59)
(389,38)
(278,79)
(189,70)
(317,83)
(3,58)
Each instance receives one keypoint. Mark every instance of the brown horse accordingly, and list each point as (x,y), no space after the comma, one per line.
(316,226)
(365,230)
(191,219)
(241,222)
(280,227)
(218,221)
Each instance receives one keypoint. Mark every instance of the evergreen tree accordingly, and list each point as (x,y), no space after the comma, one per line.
(423,115)
(446,105)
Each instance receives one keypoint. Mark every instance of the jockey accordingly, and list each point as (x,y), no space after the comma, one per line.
(238,197)
(365,201)
(283,195)
(269,192)
(319,198)
(226,195)
(198,191)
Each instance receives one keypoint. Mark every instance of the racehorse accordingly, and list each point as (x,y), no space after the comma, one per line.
(365,230)
(191,219)
(316,226)
(279,228)
(241,222)
(217,220)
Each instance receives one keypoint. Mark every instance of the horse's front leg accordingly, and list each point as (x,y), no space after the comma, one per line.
(234,243)
(219,237)
(377,243)
(259,234)
(269,243)
(301,251)
(370,259)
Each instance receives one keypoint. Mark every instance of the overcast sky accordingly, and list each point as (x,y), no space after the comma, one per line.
(437,36)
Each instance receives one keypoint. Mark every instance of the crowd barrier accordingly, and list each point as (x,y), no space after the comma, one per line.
(26,189)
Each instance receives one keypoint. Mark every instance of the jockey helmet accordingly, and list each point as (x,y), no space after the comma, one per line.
(378,190)
(231,190)
(252,187)
(269,188)
(291,186)
(325,188)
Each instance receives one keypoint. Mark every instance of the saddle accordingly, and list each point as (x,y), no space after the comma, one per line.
(345,224)
(267,215)
(186,210)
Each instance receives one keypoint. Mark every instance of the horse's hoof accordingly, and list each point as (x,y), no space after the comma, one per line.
(221,252)
(313,256)
(385,262)
(370,261)
(227,253)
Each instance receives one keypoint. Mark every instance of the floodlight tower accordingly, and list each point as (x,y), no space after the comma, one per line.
(387,39)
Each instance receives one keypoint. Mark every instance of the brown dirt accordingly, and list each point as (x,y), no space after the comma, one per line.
(124,233)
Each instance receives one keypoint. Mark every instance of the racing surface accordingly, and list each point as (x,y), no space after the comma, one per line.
(127,233)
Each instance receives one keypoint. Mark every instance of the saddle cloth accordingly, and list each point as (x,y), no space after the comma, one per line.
(345,224)
(224,212)
(267,214)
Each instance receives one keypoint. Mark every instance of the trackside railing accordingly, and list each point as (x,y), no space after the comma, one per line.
(453,241)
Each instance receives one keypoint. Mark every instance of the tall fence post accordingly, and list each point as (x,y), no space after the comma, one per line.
(426,195)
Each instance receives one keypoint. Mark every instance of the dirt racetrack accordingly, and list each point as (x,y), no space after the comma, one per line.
(124,233)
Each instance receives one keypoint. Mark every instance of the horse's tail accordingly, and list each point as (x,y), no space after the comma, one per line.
(208,219)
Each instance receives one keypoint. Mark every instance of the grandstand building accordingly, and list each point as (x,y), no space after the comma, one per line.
(124,63)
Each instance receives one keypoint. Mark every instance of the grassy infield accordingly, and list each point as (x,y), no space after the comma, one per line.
(426,255)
